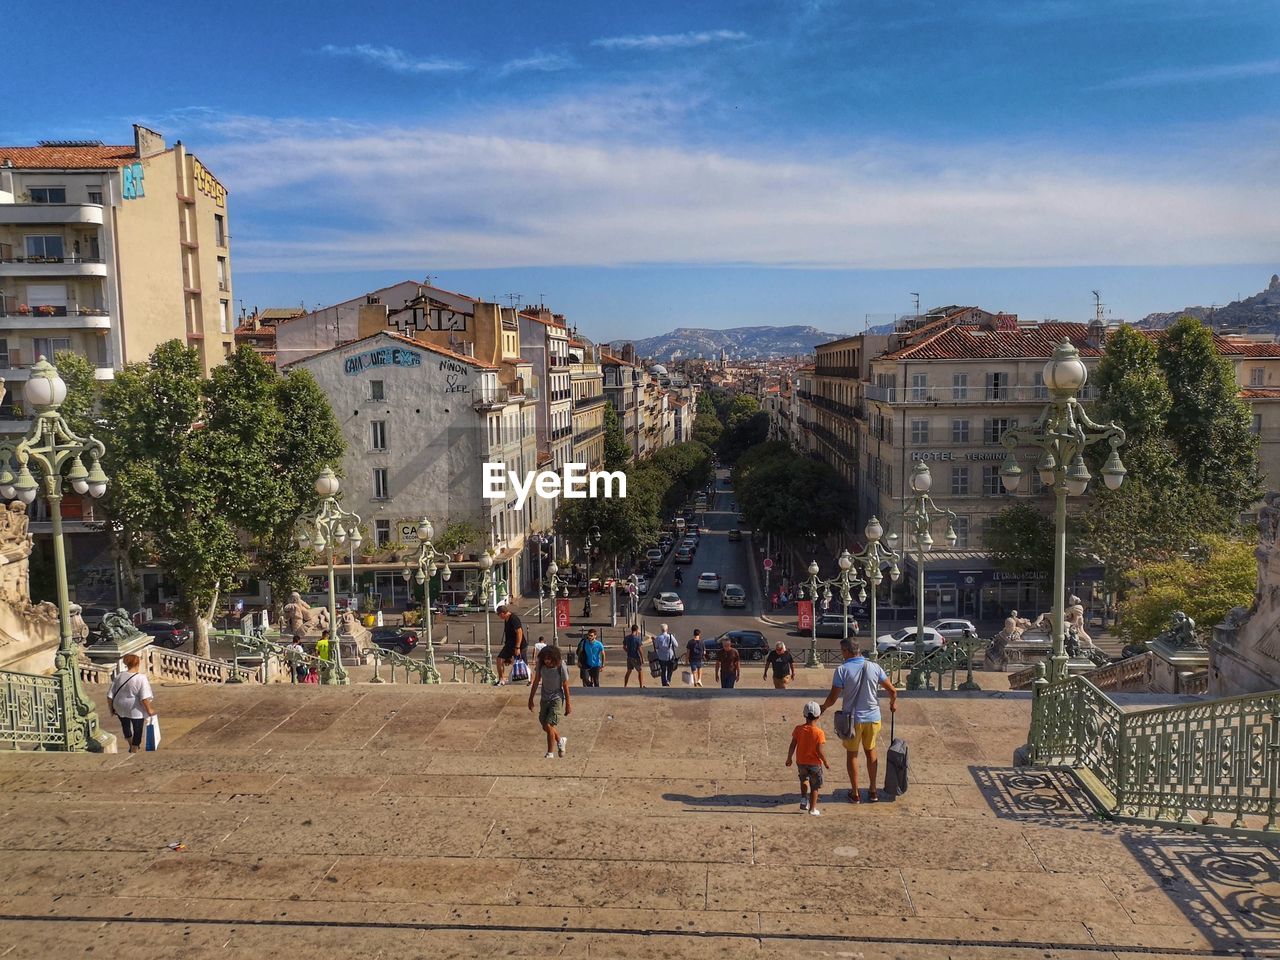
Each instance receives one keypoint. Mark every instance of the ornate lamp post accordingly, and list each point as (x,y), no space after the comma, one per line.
(872,559)
(845,581)
(919,518)
(57,456)
(428,562)
(593,537)
(482,594)
(330,528)
(1063,431)
(811,587)
(557,585)
(539,541)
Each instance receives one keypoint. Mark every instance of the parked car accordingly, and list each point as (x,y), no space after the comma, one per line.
(735,534)
(905,640)
(653,555)
(668,603)
(709,581)
(684,555)
(642,584)
(750,644)
(733,595)
(690,544)
(664,545)
(954,629)
(831,624)
(399,639)
(167,633)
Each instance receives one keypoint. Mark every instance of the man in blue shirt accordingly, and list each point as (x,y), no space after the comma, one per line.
(593,658)
(633,646)
(856,681)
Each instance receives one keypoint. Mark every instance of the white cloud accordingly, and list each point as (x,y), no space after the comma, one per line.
(1191,75)
(670,41)
(356,198)
(538,63)
(393,59)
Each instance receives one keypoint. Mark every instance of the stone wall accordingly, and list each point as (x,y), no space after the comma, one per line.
(1244,655)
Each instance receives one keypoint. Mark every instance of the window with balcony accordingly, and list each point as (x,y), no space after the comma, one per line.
(961,527)
(381,533)
(919,431)
(377,435)
(991,483)
(998,386)
(919,386)
(959,386)
(1256,425)
(50,347)
(1257,377)
(95,196)
(48,194)
(222,273)
(380,483)
(1039,391)
(959,481)
(376,390)
(4,360)
(224,316)
(993,429)
(219,230)
(959,431)
(49,248)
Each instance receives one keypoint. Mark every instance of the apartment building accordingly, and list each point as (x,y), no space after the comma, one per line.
(544,342)
(587,384)
(624,386)
(108,251)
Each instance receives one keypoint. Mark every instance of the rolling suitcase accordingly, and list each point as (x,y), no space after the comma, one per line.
(895,769)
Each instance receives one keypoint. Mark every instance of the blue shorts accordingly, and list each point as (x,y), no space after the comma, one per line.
(695,664)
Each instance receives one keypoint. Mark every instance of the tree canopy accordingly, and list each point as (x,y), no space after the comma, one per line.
(789,496)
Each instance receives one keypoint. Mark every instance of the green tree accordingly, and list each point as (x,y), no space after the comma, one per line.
(707,430)
(83,393)
(739,410)
(789,497)
(743,435)
(616,452)
(1020,539)
(1205,584)
(1209,425)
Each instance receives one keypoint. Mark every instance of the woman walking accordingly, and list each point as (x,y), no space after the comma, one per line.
(130,699)
(552,679)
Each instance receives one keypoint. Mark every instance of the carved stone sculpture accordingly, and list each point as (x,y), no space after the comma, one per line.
(300,618)
(117,627)
(1181,633)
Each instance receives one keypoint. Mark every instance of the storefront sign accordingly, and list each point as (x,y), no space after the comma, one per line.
(207,183)
(562,613)
(946,455)
(804,614)
(382,357)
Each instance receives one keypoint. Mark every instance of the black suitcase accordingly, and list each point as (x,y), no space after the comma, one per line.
(895,768)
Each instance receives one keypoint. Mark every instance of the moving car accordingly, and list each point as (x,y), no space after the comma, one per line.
(684,555)
(690,544)
(167,633)
(750,644)
(905,640)
(654,555)
(733,595)
(954,629)
(735,534)
(708,581)
(668,603)
(831,624)
(642,584)
(399,639)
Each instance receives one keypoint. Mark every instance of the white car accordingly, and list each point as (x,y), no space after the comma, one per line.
(668,603)
(642,584)
(905,640)
(709,581)
(954,629)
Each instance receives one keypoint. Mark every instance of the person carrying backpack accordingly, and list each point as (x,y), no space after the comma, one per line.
(856,682)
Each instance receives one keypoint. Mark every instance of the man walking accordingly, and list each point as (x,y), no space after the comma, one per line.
(858,720)
(593,658)
(728,664)
(633,647)
(665,649)
(513,640)
(783,665)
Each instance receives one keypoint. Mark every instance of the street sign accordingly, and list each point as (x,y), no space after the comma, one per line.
(768,563)
(562,612)
(804,614)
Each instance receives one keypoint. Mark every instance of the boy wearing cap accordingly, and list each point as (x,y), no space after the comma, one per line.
(806,749)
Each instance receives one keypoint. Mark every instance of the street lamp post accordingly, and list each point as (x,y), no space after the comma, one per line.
(845,581)
(428,562)
(872,558)
(593,537)
(57,455)
(539,541)
(919,518)
(555,584)
(486,584)
(330,528)
(811,587)
(1063,431)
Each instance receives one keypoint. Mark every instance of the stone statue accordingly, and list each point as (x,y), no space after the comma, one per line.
(118,627)
(995,658)
(1181,632)
(350,628)
(1015,626)
(300,618)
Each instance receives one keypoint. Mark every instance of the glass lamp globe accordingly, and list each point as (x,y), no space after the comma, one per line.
(1065,373)
(921,478)
(45,390)
(1113,471)
(486,560)
(405,574)
(553,568)
(873,530)
(327,483)
(446,573)
(845,561)
(425,530)
(813,568)
(97,480)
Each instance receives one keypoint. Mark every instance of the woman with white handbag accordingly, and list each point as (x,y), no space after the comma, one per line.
(130,698)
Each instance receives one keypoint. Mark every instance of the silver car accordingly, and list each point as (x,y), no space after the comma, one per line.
(953,629)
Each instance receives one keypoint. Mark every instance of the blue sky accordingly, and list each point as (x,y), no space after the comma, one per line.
(649,165)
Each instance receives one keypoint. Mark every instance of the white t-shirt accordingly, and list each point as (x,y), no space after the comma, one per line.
(537,649)
(128,690)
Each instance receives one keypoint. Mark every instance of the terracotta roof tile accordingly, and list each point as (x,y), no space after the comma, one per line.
(973,342)
(1260,393)
(418,344)
(68,158)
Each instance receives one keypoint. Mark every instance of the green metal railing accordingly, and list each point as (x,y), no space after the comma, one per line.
(32,711)
(1216,758)
(472,671)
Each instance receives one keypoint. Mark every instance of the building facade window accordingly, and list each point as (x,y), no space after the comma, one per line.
(95,196)
(1257,377)
(997,386)
(380,483)
(959,386)
(920,431)
(50,347)
(377,390)
(381,533)
(222,273)
(377,434)
(48,194)
(959,431)
(959,481)
(993,429)
(1256,426)
(219,230)
(224,316)
(1039,390)
(991,485)
(961,527)
(4,360)
(49,247)
(919,386)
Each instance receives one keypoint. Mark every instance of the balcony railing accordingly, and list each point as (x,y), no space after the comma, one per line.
(847,373)
(833,440)
(492,396)
(581,403)
(48,310)
(587,435)
(965,395)
(51,260)
(833,406)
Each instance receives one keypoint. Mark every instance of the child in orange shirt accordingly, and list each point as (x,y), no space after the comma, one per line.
(806,749)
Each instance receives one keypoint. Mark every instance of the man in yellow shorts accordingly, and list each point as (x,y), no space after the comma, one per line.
(857,682)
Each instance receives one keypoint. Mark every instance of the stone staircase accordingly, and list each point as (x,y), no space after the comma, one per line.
(417,821)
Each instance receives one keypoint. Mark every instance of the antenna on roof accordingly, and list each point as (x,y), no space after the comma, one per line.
(512,299)
(916,296)
(1097,306)
(430,279)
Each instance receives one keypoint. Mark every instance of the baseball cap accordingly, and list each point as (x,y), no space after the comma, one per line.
(812,710)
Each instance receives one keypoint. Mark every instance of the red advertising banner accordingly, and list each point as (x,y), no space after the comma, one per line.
(562,613)
(804,614)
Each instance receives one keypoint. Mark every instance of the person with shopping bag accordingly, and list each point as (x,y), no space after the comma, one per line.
(130,699)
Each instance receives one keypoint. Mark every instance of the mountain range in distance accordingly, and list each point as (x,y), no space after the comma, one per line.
(761,343)
(1257,314)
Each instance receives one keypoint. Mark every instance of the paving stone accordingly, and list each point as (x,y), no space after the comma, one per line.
(824,890)
(982,894)
(221,876)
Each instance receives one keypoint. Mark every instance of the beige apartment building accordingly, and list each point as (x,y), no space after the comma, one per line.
(108,251)
(587,384)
